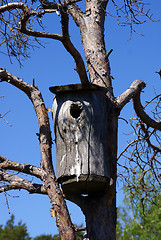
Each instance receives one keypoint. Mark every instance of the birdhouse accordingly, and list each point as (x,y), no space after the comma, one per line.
(81,128)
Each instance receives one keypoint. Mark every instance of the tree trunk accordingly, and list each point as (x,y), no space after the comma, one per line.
(100,210)
(101,218)
(94,46)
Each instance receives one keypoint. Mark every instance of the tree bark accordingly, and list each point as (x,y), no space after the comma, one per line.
(100,211)
(94,46)
(100,208)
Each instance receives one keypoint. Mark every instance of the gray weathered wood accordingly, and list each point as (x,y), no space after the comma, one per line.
(81,128)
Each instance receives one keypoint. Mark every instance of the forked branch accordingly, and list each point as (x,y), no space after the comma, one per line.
(21,167)
(16,182)
(25,27)
(134,93)
(131,13)
(35,96)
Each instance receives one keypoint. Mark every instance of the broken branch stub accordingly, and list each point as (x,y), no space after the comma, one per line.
(80,118)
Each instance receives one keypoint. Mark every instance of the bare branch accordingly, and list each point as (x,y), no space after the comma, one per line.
(25,9)
(18,26)
(125,97)
(143,115)
(142,155)
(21,167)
(72,50)
(131,13)
(49,180)
(26,28)
(7,202)
(42,116)
(19,183)
(39,34)
(11,6)
(2,116)
(34,33)
(147,138)
(49,5)
(128,145)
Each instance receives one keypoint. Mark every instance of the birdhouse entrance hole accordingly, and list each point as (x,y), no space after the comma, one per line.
(81,127)
(76,109)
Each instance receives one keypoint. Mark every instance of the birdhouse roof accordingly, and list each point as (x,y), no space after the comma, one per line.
(76,87)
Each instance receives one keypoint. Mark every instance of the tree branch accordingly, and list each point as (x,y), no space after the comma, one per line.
(49,180)
(147,137)
(134,92)
(11,6)
(25,9)
(48,5)
(75,12)
(27,14)
(64,38)
(143,115)
(2,116)
(21,167)
(125,97)
(128,145)
(20,183)
(34,33)
(41,112)
(72,50)
(131,13)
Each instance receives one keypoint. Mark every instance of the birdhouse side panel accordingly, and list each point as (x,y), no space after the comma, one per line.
(98,149)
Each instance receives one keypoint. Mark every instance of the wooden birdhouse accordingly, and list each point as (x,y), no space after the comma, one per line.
(81,128)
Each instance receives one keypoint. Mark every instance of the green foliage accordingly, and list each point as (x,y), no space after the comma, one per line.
(44,237)
(79,236)
(141,216)
(14,232)
(19,232)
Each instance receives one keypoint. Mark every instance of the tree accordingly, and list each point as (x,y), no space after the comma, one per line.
(140,217)
(18,28)
(14,232)
(45,237)
(79,233)
(79,236)
(19,232)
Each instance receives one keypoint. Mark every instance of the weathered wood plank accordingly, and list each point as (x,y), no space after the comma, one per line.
(81,129)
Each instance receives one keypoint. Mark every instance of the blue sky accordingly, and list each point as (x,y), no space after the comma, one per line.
(137,58)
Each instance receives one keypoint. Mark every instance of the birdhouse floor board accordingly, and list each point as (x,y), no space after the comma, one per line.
(85,184)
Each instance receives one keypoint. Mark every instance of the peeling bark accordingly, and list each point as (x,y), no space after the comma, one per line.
(94,46)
